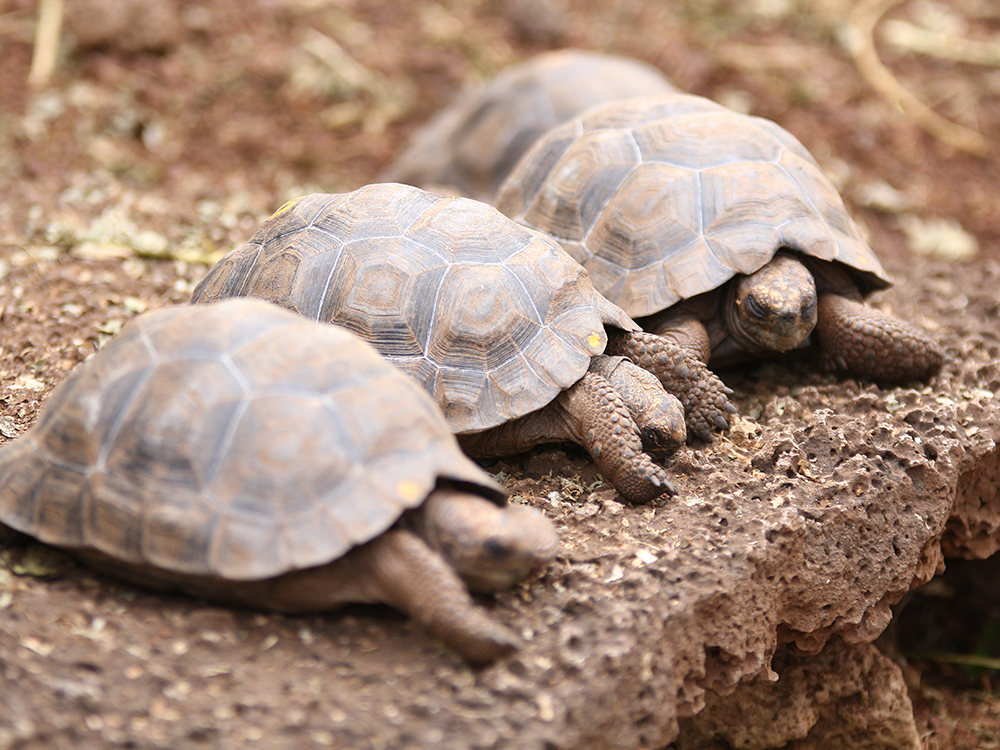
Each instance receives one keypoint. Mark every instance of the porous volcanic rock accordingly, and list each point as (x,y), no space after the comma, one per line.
(826,503)
(844,697)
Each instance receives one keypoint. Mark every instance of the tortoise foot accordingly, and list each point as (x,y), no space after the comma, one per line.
(606,429)
(400,569)
(704,396)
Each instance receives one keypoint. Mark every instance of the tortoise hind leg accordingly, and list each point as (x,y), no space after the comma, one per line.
(864,341)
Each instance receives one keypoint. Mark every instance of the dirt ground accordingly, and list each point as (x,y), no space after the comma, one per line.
(158,146)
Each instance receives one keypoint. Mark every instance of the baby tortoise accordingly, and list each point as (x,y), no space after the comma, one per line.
(717,231)
(472,144)
(238,452)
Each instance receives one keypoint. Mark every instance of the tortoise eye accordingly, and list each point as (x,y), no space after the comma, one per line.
(496,549)
(754,307)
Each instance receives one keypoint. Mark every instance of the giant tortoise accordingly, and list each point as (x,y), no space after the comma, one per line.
(238,452)
(716,230)
(495,320)
(472,144)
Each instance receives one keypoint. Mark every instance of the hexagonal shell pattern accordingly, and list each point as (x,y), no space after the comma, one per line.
(473,144)
(491,318)
(663,198)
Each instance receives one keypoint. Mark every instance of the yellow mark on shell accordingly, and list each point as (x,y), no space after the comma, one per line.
(409,491)
(594,340)
(286,206)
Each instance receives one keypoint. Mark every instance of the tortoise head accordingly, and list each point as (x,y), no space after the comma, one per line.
(491,546)
(774,308)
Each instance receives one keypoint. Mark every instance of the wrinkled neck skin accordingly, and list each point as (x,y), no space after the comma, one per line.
(772,309)
(490,546)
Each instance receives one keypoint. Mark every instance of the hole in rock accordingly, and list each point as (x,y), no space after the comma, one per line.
(951,625)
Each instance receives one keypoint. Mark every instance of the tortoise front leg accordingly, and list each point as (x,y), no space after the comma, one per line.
(593,415)
(861,340)
(604,426)
(684,329)
(397,568)
(704,396)
(400,569)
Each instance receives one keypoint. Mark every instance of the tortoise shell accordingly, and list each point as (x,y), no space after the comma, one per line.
(473,144)
(234,441)
(491,318)
(664,198)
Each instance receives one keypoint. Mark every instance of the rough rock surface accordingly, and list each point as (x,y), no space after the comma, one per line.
(844,697)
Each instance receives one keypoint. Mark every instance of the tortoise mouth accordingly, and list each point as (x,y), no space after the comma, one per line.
(486,581)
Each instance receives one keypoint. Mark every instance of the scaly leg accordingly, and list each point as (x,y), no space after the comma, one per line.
(704,396)
(397,568)
(593,415)
(864,341)
(404,572)
(686,331)
(604,426)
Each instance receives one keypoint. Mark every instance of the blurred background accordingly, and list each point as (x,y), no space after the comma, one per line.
(179,115)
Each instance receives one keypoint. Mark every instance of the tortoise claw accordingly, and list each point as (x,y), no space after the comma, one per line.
(609,433)
(705,435)
(666,484)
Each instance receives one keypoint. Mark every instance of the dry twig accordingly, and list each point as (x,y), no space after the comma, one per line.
(912,38)
(46,51)
(861,44)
